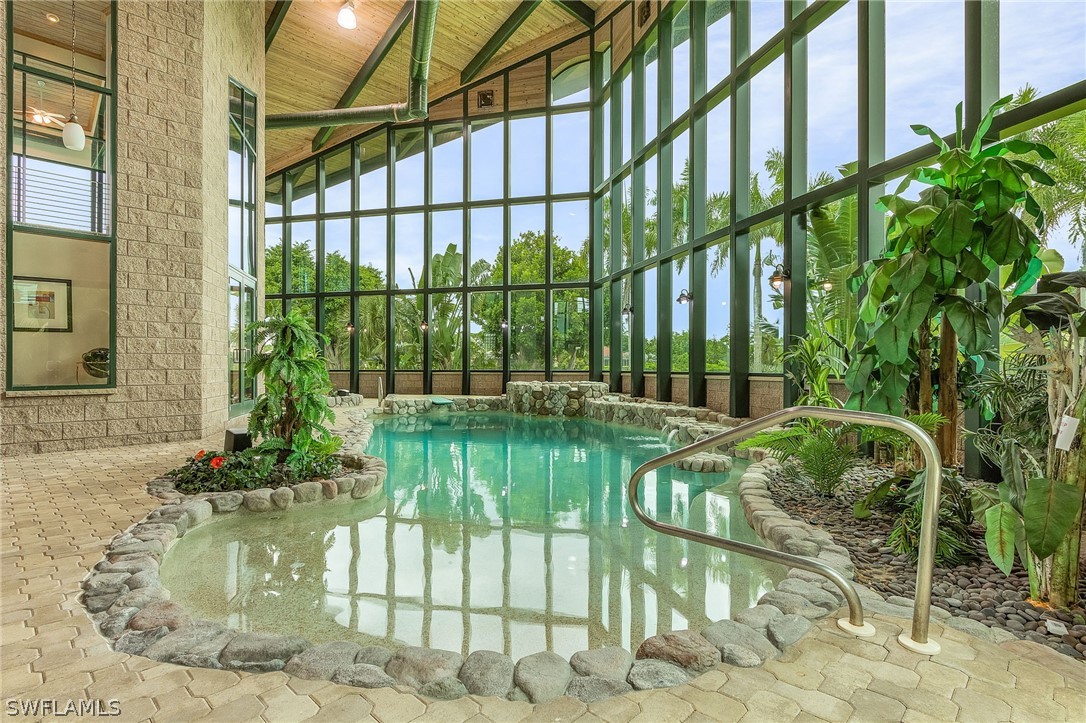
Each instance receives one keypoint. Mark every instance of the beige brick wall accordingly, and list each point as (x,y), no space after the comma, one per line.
(172,63)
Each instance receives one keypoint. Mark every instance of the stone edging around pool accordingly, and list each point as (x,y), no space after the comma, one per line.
(126,599)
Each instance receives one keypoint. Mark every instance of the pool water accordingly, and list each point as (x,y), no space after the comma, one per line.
(495,532)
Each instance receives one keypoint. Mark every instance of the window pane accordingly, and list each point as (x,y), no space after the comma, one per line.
(606,321)
(1042,45)
(570,224)
(570,146)
(569,340)
(235,175)
(626,225)
(717,311)
(605,125)
(373,181)
(337,255)
(650,99)
(303,257)
(680,62)
(766,18)
(647,319)
(526,329)
(410,167)
(718,166)
(372,253)
(408,315)
(767,137)
(447,165)
(718,41)
(831,259)
(273,258)
(922,90)
(371,332)
(303,189)
(273,197)
(570,83)
(652,210)
(831,121)
(487,160)
(447,247)
(680,189)
(527,248)
(307,308)
(528,156)
(627,112)
(680,314)
(605,250)
(627,323)
(487,235)
(447,331)
(487,335)
(766,303)
(337,349)
(410,255)
(337,181)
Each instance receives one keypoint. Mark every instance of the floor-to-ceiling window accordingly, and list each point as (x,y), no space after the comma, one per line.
(241,245)
(454,254)
(742,147)
(60,231)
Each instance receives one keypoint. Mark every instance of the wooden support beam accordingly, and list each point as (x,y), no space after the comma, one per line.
(501,37)
(278,13)
(373,62)
(579,10)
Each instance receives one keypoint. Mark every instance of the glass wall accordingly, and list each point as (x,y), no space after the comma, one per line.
(759,134)
(60,280)
(440,259)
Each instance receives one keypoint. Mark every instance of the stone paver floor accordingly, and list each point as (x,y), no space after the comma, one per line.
(59,510)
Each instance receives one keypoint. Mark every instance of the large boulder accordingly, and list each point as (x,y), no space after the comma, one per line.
(757,617)
(684,648)
(248,649)
(321,661)
(611,662)
(787,629)
(363,675)
(162,613)
(792,604)
(374,655)
(134,642)
(198,645)
(729,632)
(418,666)
(590,688)
(444,689)
(486,672)
(543,676)
(647,674)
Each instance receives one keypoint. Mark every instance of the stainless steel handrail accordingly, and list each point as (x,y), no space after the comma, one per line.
(918,641)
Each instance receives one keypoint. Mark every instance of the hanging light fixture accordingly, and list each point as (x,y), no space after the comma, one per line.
(685,297)
(346,18)
(776,280)
(74,137)
(827,285)
(38,116)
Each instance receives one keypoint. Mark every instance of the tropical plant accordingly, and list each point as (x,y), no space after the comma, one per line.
(810,363)
(223,471)
(941,251)
(292,414)
(1040,517)
(819,453)
(903,452)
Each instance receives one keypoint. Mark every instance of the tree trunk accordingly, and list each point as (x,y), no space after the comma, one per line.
(947,437)
(1068,467)
(924,403)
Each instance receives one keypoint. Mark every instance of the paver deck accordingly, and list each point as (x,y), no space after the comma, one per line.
(60,509)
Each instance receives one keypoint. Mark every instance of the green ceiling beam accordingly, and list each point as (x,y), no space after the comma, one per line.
(279,11)
(486,53)
(579,10)
(373,62)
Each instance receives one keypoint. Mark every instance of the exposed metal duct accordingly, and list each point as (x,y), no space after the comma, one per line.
(423,23)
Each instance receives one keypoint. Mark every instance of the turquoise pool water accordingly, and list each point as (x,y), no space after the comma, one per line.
(495,532)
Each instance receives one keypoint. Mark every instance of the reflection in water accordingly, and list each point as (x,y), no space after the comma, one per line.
(496,532)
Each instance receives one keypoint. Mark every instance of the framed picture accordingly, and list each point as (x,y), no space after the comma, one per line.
(42,304)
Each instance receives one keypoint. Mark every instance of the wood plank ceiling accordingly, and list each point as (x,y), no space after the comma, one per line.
(312,60)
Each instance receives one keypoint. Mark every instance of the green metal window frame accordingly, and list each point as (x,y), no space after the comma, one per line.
(547,111)
(247,276)
(110,238)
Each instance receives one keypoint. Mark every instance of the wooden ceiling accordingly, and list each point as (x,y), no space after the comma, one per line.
(91,22)
(312,60)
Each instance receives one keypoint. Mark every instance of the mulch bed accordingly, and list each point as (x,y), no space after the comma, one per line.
(977,589)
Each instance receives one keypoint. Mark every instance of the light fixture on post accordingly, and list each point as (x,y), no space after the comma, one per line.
(505,325)
(827,285)
(74,137)
(685,297)
(346,18)
(350,327)
(776,280)
(424,327)
(627,311)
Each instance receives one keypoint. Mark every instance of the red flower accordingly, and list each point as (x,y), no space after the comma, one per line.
(217,462)
(200,455)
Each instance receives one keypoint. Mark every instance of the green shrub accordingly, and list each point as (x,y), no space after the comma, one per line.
(210,471)
(953,542)
(820,454)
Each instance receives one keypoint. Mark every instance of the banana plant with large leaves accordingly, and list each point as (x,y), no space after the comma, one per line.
(934,281)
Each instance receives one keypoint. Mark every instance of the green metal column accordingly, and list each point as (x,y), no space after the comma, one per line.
(795,184)
(739,334)
(698,184)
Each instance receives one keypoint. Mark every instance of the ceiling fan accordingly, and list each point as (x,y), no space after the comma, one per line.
(40,116)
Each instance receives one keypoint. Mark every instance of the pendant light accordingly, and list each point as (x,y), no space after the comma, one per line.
(74,137)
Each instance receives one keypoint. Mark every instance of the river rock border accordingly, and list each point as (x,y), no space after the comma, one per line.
(126,599)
